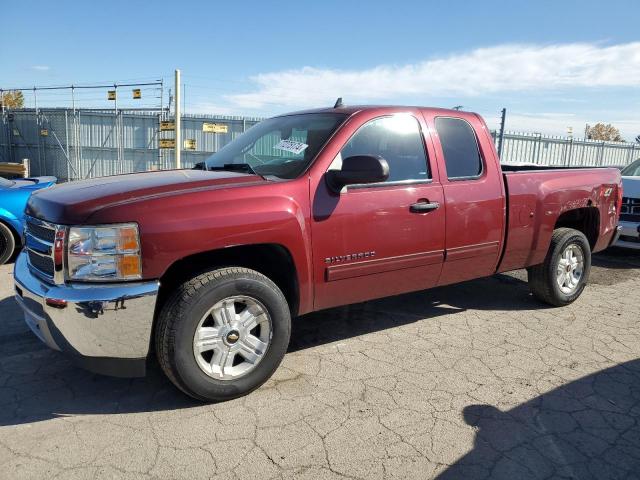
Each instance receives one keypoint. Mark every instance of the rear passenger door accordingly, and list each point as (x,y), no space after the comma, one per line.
(474,197)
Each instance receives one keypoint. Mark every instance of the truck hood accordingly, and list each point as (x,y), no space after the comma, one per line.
(631,187)
(75,202)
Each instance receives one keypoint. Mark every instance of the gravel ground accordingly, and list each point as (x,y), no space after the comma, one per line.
(471,381)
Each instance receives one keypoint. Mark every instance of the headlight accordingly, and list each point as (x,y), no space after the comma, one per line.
(104,253)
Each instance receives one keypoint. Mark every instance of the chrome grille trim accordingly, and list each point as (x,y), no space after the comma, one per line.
(40,231)
(45,234)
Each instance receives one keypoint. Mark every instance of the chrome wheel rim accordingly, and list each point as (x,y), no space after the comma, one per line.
(570,269)
(232,337)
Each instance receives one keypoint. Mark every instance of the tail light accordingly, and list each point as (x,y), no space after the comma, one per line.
(619,199)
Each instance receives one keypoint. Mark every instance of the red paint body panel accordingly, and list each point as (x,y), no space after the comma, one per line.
(361,244)
(538,198)
(475,208)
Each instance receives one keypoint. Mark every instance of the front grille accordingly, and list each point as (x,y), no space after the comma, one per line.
(630,209)
(40,239)
(40,231)
(41,262)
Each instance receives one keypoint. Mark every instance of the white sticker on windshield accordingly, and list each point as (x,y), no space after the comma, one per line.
(291,146)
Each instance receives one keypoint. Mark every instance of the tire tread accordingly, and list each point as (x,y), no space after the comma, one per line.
(538,275)
(174,308)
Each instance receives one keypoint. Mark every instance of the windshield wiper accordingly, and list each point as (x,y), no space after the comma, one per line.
(235,167)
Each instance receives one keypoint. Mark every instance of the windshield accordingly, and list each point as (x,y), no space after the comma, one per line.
(282,146)
(632,170)
(5,183)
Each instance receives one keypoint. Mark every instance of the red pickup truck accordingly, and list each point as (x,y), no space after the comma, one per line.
(302,212)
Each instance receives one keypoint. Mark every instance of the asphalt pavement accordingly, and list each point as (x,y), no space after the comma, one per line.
(472,381)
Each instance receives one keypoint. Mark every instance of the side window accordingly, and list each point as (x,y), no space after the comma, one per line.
(460,147)
(398,140)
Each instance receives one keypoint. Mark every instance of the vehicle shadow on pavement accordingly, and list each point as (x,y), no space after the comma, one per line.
(39,384)
(617,258)
(500,292)
(589,428)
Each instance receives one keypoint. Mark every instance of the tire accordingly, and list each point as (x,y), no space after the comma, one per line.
(545,279)
(196,302)
(7,243)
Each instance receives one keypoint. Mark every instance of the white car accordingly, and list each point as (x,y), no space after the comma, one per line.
(630,212)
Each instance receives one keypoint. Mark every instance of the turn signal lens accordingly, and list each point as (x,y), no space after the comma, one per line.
(129,266)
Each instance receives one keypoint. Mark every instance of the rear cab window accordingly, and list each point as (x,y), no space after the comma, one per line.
(460,148)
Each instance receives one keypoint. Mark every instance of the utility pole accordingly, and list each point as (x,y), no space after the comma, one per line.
(501,136)
(176,108)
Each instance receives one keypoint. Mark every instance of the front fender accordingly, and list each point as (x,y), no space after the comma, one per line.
(179,226)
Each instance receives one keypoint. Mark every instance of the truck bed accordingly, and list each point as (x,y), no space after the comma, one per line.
(541,198)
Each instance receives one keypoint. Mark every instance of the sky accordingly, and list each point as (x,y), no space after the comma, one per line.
(553,65)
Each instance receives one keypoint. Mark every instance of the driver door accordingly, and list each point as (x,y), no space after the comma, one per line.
(370,240)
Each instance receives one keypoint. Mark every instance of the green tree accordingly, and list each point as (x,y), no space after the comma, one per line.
(12,99)
(607,132)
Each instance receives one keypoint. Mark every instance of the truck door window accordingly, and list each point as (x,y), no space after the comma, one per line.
(460,148)
(398,140)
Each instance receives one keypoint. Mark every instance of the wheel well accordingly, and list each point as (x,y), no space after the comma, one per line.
(586,220)
(272,260)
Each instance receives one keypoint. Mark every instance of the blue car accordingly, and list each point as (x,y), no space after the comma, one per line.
(13,199)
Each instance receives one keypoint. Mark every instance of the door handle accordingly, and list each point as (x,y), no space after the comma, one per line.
(424,207)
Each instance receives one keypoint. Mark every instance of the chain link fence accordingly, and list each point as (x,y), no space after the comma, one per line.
(73,144)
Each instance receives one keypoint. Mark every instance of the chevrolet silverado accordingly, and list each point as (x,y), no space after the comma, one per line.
(206,267)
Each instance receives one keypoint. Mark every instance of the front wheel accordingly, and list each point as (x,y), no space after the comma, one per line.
(562,277)
(223,333)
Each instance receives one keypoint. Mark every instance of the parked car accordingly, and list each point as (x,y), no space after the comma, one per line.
(302,212)
(630,212)
(13,199)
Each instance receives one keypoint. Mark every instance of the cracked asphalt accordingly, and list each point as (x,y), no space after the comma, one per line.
(472,381)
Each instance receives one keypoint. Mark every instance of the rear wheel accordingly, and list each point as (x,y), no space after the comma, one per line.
(223,333)
(562,277)
(7,243)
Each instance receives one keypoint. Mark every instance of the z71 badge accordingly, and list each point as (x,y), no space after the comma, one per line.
(349,257)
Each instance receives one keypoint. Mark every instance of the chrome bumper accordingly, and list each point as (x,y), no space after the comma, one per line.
(628,230)
(106,327)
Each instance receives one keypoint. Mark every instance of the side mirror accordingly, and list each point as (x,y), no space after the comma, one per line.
(358,169)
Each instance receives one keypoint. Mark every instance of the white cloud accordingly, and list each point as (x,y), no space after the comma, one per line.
(506,68)
(40,68)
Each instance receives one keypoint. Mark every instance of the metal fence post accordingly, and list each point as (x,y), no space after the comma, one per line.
(501,136)
(570,159)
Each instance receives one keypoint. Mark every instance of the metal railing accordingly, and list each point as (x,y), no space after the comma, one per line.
(80,143)
(565,151)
